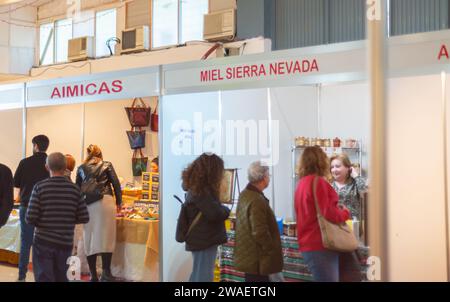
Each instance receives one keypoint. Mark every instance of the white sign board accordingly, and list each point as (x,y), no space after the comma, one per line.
(11,96)
(412,55)
(104,86)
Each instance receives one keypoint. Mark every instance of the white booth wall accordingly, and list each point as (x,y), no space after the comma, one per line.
(248,108)
(178,113)
(61,123)
(295,109)
(105,124)
(11,136)
(416,184)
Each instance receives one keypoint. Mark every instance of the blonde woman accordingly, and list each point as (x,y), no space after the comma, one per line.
(347,183)
(97,180)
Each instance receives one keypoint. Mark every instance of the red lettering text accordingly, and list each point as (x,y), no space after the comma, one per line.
(305,65)
(443,52)
(55,93)
(117,86)
(104,88)
(314,66)
(91,92)
(72,91)
(204,76)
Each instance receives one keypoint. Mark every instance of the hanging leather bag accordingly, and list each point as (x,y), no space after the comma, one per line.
(139,164)
(136,138)
(154,120)
(138,114)
(336,237)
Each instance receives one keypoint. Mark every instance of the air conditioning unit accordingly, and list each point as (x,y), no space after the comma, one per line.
(135,39)
(220,26)
(80,49)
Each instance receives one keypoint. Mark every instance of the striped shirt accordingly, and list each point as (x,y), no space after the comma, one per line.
(55,208)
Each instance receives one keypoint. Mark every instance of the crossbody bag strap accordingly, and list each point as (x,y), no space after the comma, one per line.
(314,185)
(196,219)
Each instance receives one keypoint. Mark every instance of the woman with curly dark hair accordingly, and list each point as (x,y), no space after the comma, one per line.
(202,180)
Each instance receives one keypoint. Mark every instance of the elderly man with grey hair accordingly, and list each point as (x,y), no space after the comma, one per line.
(258,243)
(56,206)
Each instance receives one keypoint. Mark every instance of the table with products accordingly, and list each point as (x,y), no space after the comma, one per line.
(136,257)
(10,239)
(294,270)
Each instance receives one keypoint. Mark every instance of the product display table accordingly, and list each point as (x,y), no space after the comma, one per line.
(136,257)
(10,239)
(294,270)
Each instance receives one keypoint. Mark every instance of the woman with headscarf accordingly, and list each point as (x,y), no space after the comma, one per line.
(97,180)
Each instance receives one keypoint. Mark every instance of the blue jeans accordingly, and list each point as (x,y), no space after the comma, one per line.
(26,241)
(324,265)
(49,263)
(203,266)
(330,266)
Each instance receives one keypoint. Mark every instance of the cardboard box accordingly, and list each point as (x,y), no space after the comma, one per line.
(217,5)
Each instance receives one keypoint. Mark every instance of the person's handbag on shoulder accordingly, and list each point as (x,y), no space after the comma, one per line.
(183,228)
(336,237)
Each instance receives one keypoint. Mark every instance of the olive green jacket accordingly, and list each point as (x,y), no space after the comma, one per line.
(258,243)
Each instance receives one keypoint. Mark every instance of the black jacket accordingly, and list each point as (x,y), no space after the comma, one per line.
(30,171)
(210,229)
(6,194)
(105,175)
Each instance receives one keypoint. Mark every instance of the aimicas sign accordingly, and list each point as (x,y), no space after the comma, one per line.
(77,90)
(91,88)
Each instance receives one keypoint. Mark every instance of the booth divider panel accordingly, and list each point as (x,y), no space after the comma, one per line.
(415,180)
(180,115)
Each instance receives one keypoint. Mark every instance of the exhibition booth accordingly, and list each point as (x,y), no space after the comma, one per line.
(258,107)
(75,112)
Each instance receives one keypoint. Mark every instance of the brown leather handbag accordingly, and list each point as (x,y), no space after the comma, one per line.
(336,237)
(138,114)
(154,120)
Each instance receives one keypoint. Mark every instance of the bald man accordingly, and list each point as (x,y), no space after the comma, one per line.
(55,207)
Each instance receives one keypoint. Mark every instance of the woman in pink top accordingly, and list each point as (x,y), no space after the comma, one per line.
(323,263)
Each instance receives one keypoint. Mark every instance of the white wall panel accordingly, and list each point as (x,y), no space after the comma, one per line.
(246,138)
(415,180)
(296,110)
(178,111)
(62,125)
